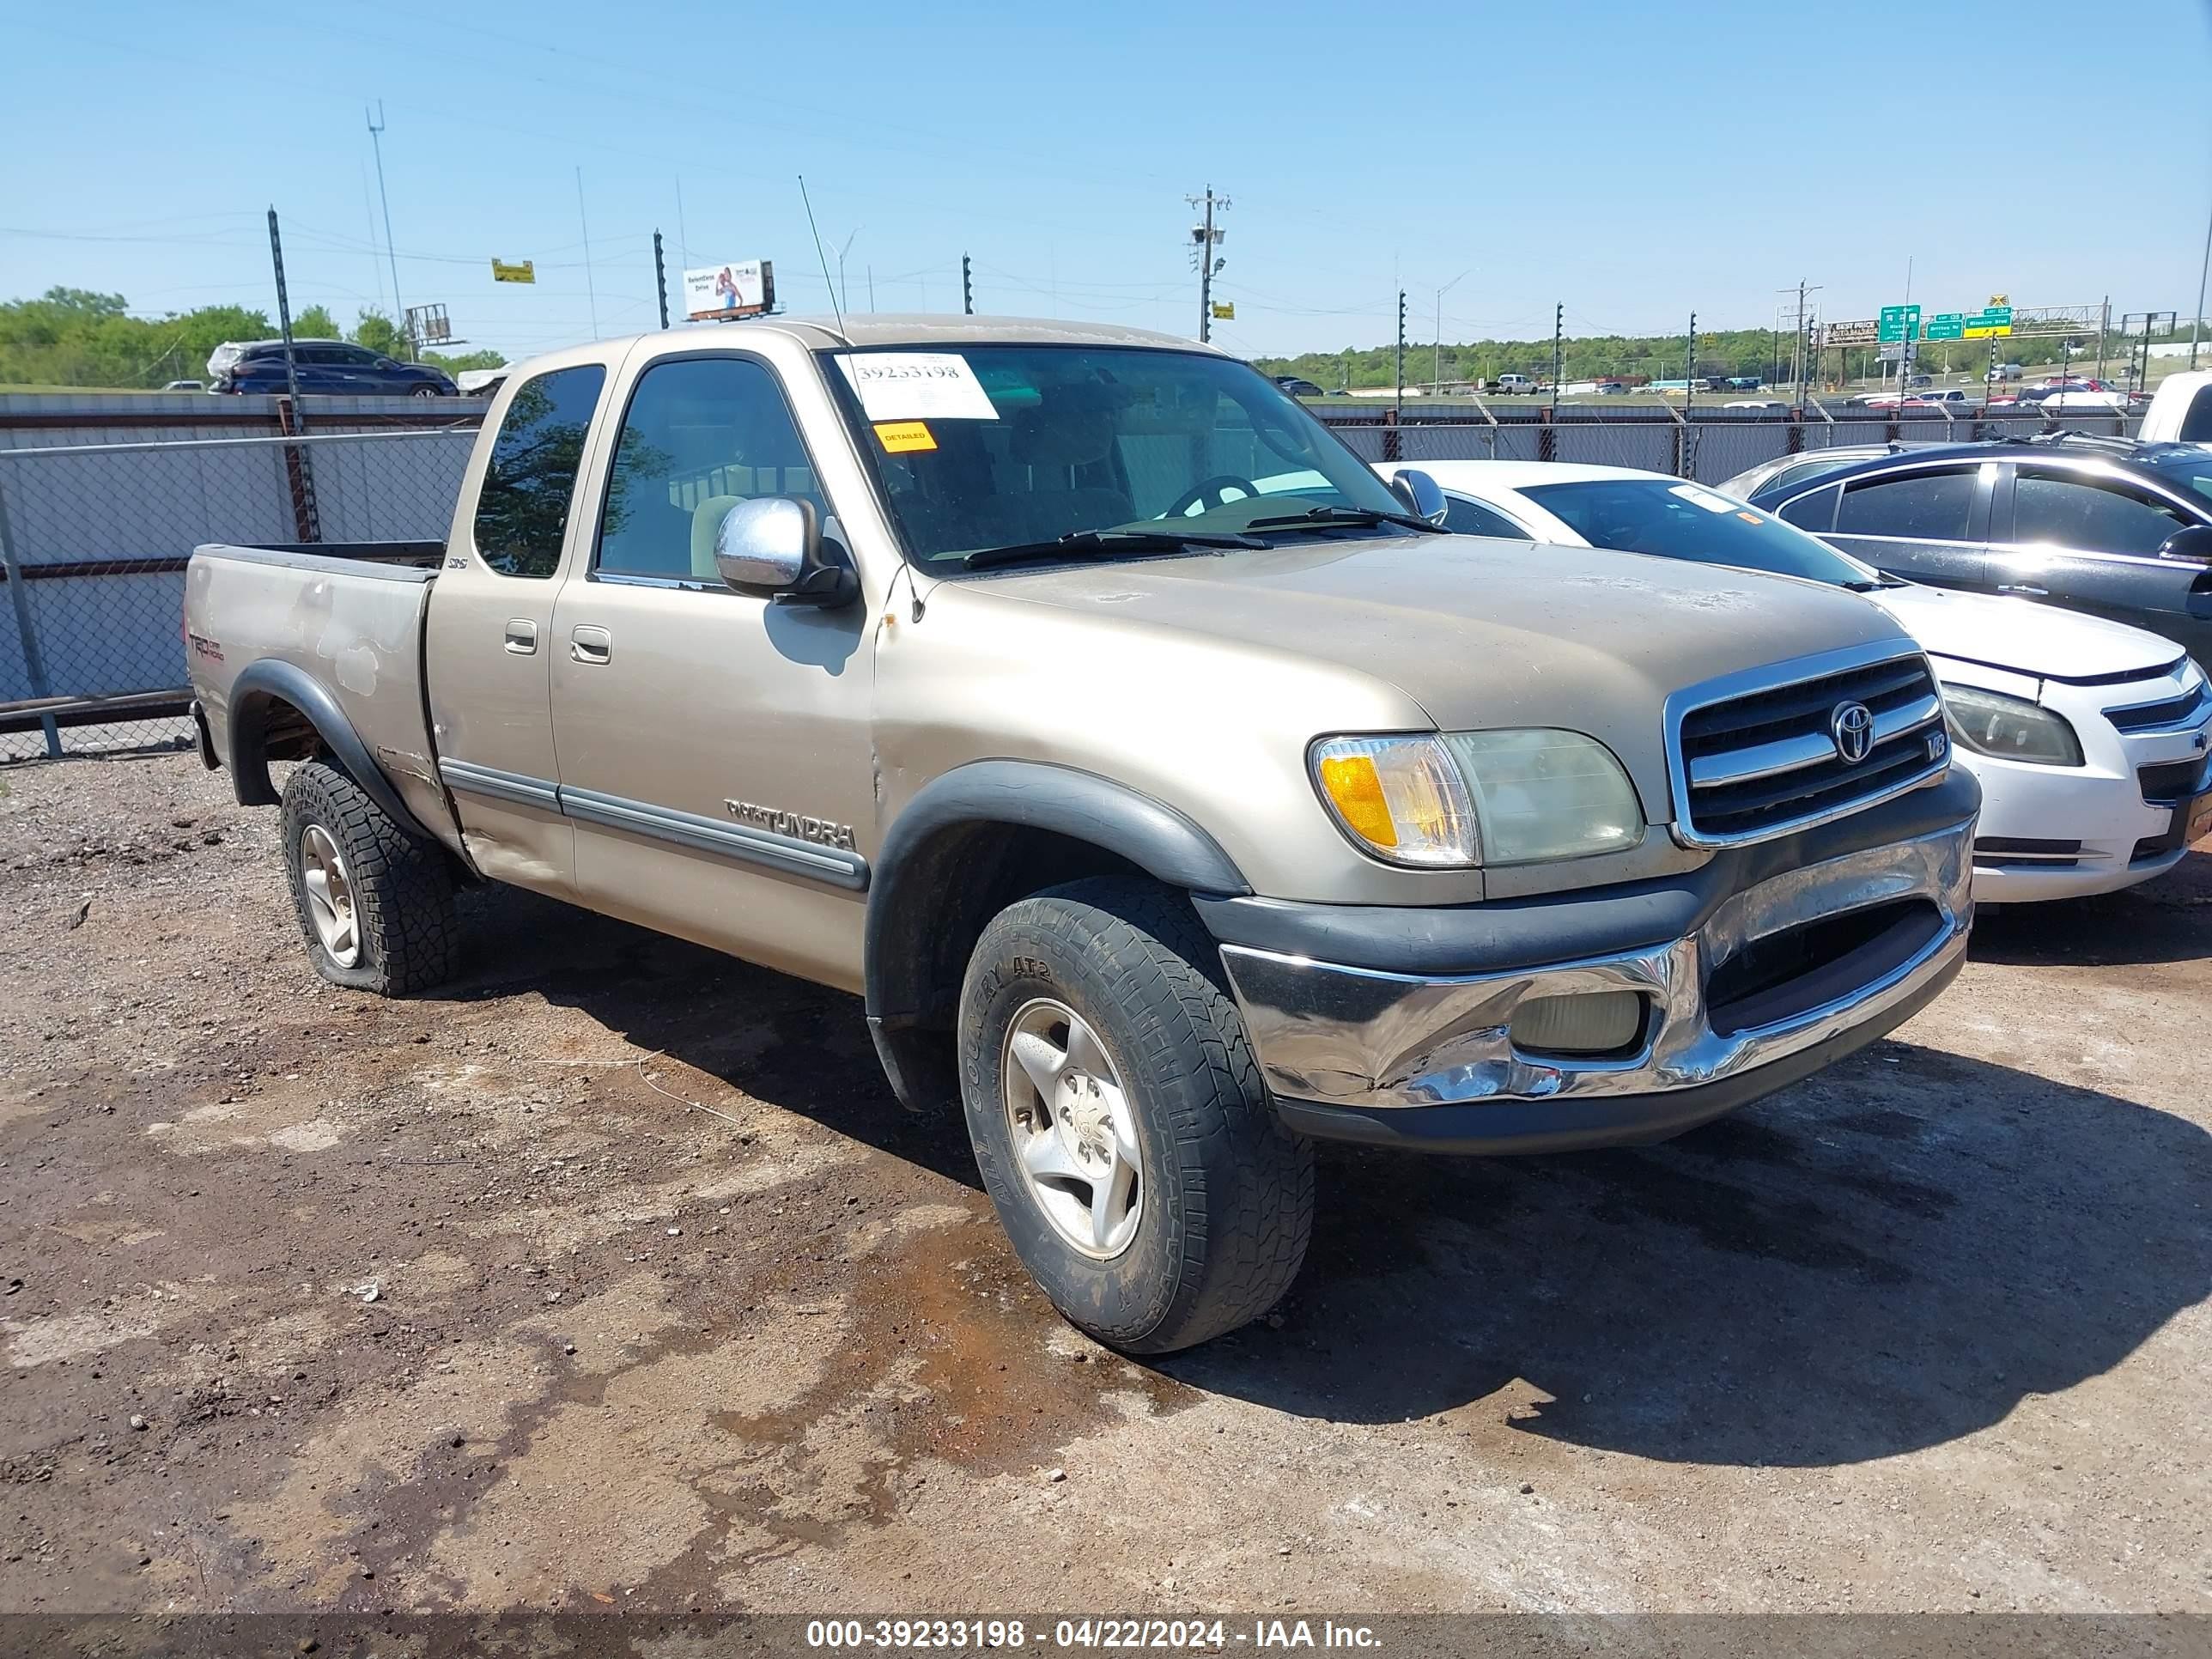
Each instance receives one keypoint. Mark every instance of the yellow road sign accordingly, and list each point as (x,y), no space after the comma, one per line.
(525,272)
(1225,311)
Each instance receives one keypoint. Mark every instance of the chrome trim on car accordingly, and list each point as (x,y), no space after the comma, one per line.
(1774,677)
(786,853)
(1362,1037)
(1770,760)
(515,789)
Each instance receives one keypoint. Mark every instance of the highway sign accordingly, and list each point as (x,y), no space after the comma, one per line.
(1947,325)
(1899,323)
(523,270)
(1989,322)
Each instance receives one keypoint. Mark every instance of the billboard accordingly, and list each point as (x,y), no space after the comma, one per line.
(744,288)
(1852,334)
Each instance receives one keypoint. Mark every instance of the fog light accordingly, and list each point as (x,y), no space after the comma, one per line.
(1592,1023)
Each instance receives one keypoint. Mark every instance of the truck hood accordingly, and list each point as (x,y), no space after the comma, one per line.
(2036,640)
(1481,633)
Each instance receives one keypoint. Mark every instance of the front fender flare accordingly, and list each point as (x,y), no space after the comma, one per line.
(269,682)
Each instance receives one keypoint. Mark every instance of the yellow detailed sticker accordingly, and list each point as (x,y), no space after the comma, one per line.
(897,437)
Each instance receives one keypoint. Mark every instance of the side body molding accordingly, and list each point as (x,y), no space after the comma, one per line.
(269,681)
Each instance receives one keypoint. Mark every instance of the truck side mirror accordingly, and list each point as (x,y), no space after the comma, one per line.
(772,546)
(2190,542)
(1421,495)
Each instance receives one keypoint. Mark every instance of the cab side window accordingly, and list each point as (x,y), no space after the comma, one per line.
(1928,507)
(522,511)
(2096,517)
(702,435)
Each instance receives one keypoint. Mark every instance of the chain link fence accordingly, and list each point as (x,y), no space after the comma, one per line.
(94,537)
(1707,446)
(93,541)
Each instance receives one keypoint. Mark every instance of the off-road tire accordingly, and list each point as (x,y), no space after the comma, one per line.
(403,887)
(1229,1193)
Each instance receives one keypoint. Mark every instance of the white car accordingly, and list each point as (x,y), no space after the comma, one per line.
(2068,720)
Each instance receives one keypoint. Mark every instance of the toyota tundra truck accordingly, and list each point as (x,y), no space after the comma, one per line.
(1176,793)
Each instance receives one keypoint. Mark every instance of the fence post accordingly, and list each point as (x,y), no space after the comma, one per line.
(1394,447)
(299,473)
(1548,435)
(34,662)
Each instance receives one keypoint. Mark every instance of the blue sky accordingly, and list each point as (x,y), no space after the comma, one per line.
(1632,161)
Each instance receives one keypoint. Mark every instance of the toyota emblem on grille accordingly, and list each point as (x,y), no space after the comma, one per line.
(1852,725)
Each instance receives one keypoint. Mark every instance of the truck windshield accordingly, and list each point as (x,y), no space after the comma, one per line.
(1003,446)
(1688,521)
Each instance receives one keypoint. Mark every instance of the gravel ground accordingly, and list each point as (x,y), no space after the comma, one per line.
(613,1276)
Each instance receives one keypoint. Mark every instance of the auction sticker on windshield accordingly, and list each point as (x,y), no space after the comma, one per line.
(904,437)
(916,386)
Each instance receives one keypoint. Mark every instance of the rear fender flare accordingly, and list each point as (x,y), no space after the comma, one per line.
(255,692)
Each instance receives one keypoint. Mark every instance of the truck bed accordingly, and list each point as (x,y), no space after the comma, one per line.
(348,619)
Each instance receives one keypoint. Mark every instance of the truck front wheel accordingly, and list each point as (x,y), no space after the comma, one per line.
(1120,1122)
(375,904)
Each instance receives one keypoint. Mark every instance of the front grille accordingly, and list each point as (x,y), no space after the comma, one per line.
(2170,781)
(1764,762)
(2181,712)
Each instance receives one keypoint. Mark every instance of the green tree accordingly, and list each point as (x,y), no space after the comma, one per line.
(316,323)
(380,333)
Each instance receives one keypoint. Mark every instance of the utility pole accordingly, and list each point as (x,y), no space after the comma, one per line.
(1205,237)
(1689,366)
(2203,270)
(376,143)
(2104,322)
(1398,394)
(284,322)
(660,279)
(967,290)
(1559,337)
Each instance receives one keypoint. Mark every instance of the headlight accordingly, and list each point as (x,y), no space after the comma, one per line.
(2009,728)
(1471,798)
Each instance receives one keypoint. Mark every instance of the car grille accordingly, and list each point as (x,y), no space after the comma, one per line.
(2179,712)
(2169,782)
(1764,762)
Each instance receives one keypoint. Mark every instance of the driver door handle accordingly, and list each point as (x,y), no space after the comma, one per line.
(587,643)
(522,636)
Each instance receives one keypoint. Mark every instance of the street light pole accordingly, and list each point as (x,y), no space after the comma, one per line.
(2197,322)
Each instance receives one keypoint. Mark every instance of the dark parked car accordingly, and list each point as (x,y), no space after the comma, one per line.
(1299,388)
(2113,527)
(325,366)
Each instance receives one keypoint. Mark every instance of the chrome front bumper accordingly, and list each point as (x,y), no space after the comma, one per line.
(1359,1054)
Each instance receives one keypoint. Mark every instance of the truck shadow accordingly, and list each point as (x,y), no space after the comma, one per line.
(2168,919)
(1890,1255)
(1886,1257)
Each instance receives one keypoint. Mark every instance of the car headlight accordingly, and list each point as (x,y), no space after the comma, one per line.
(2009,728)
(1479,798)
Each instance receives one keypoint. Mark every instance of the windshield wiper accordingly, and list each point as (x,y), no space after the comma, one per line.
(1321,518)
(1078,542)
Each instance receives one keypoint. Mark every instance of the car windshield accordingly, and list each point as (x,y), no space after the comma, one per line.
(1688,521)
(2185,466)
(1005,446)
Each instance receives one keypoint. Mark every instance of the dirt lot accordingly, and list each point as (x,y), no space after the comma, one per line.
(314,1299)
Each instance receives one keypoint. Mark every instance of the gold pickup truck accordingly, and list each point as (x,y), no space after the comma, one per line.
(1175,793)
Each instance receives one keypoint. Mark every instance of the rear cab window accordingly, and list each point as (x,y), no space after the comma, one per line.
(522,511)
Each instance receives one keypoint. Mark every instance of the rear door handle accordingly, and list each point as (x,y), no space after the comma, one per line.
(2022,588)
(590,644)
(522,636)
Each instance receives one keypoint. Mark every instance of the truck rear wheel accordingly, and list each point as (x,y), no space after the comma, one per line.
(1120,1122)
(375,904)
